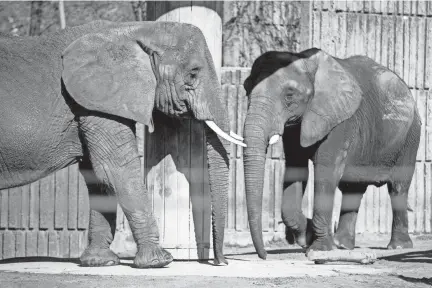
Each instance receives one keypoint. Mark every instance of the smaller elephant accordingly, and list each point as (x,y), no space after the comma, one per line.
(355,119)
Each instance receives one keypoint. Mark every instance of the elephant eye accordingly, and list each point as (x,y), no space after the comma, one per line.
(190,79)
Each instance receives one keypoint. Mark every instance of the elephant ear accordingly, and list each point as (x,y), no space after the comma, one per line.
(337,96)
(111,74)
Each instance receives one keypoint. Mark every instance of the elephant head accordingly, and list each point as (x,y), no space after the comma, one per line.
(129,69)
(311,88)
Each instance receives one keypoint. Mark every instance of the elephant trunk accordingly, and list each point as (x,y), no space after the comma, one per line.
(256,139)
(218,167)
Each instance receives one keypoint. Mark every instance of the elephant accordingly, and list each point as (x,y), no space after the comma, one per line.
(74,96)
(353,118)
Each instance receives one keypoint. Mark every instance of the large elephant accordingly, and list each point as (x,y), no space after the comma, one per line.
(355,119)
(75,96)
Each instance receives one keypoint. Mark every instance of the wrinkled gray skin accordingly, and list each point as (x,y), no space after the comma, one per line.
(358,123)
(75,96)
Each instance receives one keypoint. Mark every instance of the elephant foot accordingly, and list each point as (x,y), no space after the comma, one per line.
(344,241)
(152,256)
(321,244)
(303,236)
(97,257)
(400,241)
(220,260)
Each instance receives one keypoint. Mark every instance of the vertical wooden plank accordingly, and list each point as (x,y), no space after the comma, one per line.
(351,37)
(15,207)
(83,204)
(341,31)
(310,190)
(53,244)
(370,212)
(47,187)
(421,97)
(31,243)
(428,52)
(61,194)
(42,243)
(316,32)
(183,187)
(25,206)
(20,243)
(399,46)
(419,210)
(376,207)
(326,32)
(428,198)
(421,8)
(360,224)
(4,194)
(241,212)
(63,242)
(406,7)
(82,241)
(364,33)
(390,31)
(73,197)
(421,26)
(412,52)
(382,210)
(170,193)
(411,203)
(74,244)
(340,6)
(407,52)
(358,35)
(34,205)
(385,53)
(378,38)
(428,8)
(337,203)
(8,244)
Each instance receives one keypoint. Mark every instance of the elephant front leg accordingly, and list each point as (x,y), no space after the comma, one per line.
(114,157)
(351,199)
(102,222)
(325,183)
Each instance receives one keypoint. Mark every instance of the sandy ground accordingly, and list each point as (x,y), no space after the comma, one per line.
(286,266)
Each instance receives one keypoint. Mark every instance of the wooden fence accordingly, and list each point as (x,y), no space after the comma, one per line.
(50,216)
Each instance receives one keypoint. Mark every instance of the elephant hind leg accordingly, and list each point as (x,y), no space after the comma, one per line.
(352,194)
(102,224)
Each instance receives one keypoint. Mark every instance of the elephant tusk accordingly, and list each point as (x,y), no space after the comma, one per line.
(222,134)
(274,139)
(235,136)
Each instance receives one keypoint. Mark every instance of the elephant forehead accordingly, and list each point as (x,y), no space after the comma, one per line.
(282,78)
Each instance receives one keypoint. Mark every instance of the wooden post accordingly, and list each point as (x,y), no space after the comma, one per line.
(62,15)
(186,229)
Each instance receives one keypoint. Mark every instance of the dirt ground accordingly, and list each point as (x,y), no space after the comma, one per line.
(402,268)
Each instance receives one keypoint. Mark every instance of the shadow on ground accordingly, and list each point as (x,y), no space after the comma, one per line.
(411,257)
(39,259)
(424,280)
